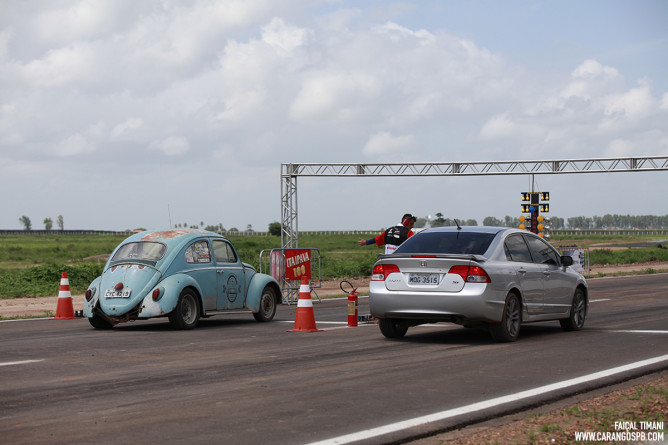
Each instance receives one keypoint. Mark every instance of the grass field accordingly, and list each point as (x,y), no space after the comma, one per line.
(31,266)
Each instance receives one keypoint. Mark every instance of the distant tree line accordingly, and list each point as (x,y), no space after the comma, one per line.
(577,222)
(48,223)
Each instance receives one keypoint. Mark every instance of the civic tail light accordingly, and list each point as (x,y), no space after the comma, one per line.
(381,271)
(471,274)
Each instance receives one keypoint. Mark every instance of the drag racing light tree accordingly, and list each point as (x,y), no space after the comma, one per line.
(534,208)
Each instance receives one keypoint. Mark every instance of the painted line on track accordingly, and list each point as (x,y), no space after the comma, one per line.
(22,362)
(442,415)
(25,319)
(638,331)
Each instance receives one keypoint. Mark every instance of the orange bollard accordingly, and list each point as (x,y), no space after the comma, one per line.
(65,308)
(304,318)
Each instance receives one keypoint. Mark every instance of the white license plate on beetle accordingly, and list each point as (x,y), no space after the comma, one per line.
(113,293)
(423,278)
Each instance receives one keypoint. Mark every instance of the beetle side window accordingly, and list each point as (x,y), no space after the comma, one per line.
(223,252)
(517,250)
(542,252)
(198,252)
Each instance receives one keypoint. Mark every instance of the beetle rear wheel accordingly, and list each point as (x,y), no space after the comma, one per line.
(99,323)
(267,305)
(186,313)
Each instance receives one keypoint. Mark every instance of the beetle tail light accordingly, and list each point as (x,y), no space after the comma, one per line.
(89,294)
(157,293)
(471,274)
(119,286)
(381,271)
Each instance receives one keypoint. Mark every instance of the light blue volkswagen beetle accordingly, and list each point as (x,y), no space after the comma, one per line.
(181,274)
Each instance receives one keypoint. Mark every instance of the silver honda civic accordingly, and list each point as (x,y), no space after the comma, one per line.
(476,276)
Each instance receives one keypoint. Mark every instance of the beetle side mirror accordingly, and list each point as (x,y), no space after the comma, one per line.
(566,260)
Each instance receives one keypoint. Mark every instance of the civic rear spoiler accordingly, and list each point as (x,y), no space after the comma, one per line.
(452,256)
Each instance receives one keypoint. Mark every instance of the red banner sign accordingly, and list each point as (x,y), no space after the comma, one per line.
(297,264)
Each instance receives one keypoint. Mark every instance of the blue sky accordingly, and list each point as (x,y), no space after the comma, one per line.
(122,114)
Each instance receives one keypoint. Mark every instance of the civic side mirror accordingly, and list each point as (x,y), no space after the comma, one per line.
(566,260)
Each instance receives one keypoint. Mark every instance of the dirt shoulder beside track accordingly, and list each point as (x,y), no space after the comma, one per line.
(641,400)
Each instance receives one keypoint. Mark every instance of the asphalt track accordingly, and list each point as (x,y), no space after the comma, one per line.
(233,380)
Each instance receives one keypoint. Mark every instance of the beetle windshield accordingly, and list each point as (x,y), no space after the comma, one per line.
(143,250)
(468,243)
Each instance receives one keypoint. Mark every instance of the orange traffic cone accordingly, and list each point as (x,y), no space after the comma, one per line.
(65,309)
(305,318)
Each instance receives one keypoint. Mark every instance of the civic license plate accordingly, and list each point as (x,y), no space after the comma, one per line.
(423,278)
(113,293)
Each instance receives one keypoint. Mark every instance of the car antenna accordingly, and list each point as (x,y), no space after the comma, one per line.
(458,226)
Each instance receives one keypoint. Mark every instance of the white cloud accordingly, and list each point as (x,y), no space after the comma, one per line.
(60,66)
(73,146)
(282,37)
(171,146)
(333,96)
(502,127)
(5,37)
(221,87)
(589,78)
(78,19)
(497,127)
(126,127)
(397,33)
(620,148)
(241,105)
(384,143)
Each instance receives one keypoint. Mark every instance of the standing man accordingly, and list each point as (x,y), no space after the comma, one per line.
(394,236)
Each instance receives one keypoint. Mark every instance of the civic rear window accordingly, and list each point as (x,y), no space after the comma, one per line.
(474,243)
(143,250)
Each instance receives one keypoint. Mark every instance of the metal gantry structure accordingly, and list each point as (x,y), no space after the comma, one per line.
(290,173)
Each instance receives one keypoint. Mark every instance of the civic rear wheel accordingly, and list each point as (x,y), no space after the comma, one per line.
(509,328)
(186,313)
(392,328)
(576,320)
